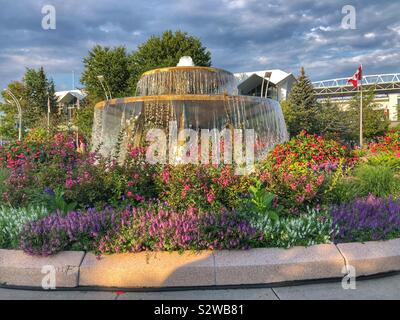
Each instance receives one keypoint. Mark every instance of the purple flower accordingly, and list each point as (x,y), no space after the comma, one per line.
(155,228)
(366,219)
(49,191)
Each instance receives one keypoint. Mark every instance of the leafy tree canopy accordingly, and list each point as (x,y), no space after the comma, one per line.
(9,111)
(375,123)
(112,64)
(165,51)
(33,94)
(38,90)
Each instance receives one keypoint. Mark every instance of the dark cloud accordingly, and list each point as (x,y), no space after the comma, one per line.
(243,35)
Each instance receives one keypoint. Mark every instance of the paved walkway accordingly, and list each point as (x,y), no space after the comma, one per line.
(379,288)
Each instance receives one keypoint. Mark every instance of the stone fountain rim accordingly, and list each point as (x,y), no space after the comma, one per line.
(185,68)
(177,97)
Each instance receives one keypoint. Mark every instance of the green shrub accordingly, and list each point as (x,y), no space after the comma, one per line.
(345,190)
(261,202)
(386,159)
(12,221)
(300,171)
(378,180)
(206,187)
(3,176)
(312,227)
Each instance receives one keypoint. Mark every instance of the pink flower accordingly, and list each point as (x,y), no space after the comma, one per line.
(165,176)
(300,198)
(139,198)
(265,176)
(320,180)
(129,194)
(210,197)
(69,183)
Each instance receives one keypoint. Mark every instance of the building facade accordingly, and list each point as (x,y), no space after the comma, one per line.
(68,102)
(274,84)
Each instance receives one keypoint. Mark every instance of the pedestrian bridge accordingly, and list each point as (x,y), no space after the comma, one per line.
(382,83)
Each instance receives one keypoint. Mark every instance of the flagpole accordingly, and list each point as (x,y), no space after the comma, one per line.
(48,113)
(361,112)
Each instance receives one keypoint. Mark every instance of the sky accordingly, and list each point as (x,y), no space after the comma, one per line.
(242,35)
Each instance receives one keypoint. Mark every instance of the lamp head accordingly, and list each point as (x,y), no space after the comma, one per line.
(268,74)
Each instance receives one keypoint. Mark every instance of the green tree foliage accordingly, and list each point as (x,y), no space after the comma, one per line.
(334,122)
(165,51)
(375,123)
(301,108)
(83,118)
(8,124)
(38,89)
(33,93)
(112,64)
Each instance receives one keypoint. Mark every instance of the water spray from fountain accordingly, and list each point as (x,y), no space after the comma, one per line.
(195,98)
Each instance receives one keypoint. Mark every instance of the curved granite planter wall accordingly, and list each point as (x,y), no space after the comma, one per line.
(206,268)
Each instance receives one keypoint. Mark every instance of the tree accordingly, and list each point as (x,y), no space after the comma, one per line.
(83,118)
(334,122)
(8,125)
(301,108)
(112,64)
(38,90)
(33,94)
(165,51)
(375,123)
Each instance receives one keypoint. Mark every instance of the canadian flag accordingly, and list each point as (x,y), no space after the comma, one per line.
(356,77)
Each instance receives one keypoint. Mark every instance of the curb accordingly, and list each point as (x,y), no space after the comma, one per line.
(20,269)
(202,269)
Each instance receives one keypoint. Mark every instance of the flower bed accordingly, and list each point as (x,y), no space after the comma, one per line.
(301,170)
(307,191)
(367,219)
(137,229)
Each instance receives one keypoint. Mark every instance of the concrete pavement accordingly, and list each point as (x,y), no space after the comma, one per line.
(379,288)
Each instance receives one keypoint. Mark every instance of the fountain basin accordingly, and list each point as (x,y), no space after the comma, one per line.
(188,111)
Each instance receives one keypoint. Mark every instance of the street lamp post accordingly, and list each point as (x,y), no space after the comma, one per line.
(48,112)
(104,85)
(19,112)
(267,76)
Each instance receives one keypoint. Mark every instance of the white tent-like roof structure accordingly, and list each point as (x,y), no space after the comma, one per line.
(276,75)
(67,96)
(281,79)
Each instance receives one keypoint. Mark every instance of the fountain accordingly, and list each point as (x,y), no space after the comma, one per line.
(194,97)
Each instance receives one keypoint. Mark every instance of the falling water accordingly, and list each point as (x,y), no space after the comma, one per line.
(186,80)
(194,97)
